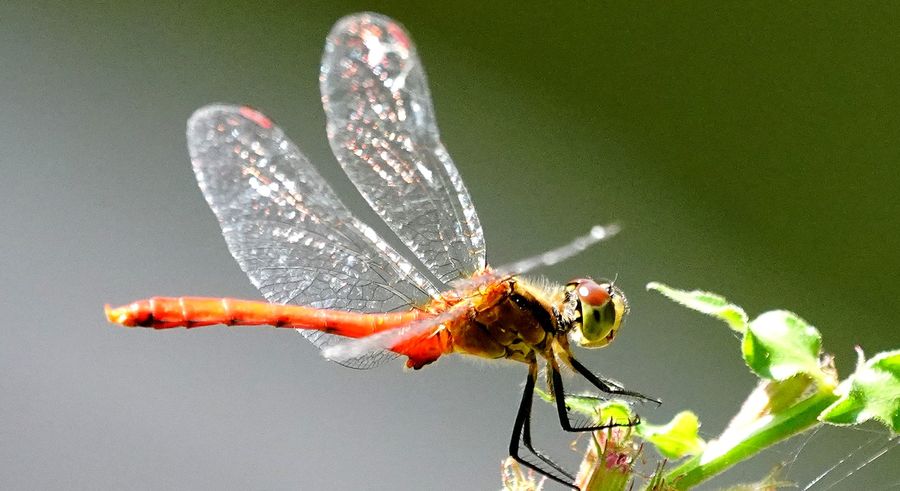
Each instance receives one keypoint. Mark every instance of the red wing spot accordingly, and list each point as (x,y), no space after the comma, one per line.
(256,116)
(397,33)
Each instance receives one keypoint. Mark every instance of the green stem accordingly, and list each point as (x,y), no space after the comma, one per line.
(768,430)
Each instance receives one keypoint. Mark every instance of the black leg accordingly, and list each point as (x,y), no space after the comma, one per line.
(606,386)
(522,434)
(562,411)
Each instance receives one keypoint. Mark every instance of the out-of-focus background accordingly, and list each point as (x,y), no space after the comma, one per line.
(749,150)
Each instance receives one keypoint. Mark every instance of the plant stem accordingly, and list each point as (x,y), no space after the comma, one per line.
(739,445)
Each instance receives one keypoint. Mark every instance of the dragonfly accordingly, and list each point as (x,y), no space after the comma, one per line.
(335,280)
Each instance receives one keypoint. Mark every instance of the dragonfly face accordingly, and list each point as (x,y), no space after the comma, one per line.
(597,309)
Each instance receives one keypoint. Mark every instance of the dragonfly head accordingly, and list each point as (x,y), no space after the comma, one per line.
(596,311)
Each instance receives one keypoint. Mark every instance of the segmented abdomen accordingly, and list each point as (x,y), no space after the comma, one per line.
(169,312)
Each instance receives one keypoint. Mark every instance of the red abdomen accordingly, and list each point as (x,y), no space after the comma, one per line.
(169,312)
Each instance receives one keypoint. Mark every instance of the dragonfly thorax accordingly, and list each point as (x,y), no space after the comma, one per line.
(510,319)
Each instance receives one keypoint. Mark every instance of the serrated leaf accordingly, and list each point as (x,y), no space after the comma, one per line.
(707,303)
(871,392)
(677,438)
(779,345)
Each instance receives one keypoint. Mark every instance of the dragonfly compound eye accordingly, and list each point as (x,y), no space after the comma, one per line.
(602,307)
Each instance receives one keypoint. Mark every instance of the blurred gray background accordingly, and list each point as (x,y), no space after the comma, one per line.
(748,150)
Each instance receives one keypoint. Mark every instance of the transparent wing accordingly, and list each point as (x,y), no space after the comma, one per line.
(598,233)
(288,230)
(382,130)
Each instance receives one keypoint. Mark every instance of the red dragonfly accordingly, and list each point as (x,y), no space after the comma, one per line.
(335,280)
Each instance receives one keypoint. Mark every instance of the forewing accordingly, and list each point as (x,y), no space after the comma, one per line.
(382,129)
(287,229)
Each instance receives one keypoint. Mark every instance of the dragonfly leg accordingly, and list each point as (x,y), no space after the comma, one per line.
(562,410)
(521,435)
(607,386)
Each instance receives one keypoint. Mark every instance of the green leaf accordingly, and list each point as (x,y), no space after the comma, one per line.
(677,438)
(871,392)
(768,398)
(779,345)
(616,411)
(543,395)
(781,394)
(707,303)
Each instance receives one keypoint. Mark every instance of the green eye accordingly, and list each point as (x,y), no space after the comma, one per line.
(602,308)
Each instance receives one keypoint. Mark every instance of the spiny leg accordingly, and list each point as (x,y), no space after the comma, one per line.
(522,434)
(562,410)
(606,386)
